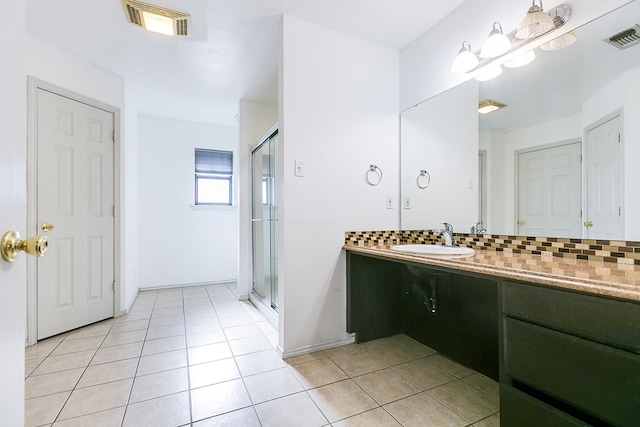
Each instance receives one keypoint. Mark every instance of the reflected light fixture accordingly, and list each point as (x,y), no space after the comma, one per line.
(521,59)
(535,23)
(465,61)
(157,19)
(489,105)
(496,44)
(559,42)
(489,74)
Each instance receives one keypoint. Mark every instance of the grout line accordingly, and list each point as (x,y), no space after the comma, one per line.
(289,367)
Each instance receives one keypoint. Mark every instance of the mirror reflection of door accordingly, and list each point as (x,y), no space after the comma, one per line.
(482,188)
(263,220)
(549,191)
(604,212)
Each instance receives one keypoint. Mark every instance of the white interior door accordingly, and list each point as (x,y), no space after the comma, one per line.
(75,193)
(549,192)
(604,210)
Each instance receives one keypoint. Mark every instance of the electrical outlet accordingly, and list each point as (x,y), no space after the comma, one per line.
(389,202)
(407,202)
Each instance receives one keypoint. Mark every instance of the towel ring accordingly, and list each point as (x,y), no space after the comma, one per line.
(423,183)
(377,174)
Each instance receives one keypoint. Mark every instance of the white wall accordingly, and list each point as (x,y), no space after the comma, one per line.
(179,243)
(425,64)
(254,119)
(338,115)
(13,209)
(622,93)
(441,137)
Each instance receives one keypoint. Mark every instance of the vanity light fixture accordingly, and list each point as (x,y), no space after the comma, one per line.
(489,105)
(465,61)
(157,19)
(516,48)
(496,44)
(536,22)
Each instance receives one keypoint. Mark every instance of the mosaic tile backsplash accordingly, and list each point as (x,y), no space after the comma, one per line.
(622,252)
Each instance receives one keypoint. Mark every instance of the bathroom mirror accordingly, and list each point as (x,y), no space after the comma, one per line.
(476,162)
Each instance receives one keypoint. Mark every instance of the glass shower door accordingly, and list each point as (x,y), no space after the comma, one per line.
(265,280)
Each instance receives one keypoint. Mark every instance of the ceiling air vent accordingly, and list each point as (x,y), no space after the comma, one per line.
(625,39)
(157,19)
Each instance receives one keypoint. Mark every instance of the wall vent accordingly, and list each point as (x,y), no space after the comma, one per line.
(625,39)
(135,12)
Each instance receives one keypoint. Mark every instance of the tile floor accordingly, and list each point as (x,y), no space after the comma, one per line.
(198,357)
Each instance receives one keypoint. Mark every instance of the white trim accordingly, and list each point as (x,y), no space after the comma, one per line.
(187,285)
(318,347)
(33,84)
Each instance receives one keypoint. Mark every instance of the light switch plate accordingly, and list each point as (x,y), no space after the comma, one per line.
(407,202)
(389,202)
(298,168)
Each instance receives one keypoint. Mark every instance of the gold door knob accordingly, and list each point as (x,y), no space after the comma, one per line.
(588,224)
(521,222)
(12,245)
(46,226)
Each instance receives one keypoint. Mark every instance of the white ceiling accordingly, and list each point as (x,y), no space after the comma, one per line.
(232,53)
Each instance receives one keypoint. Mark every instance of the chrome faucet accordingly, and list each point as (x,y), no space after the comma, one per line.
(477,228)
(447,233)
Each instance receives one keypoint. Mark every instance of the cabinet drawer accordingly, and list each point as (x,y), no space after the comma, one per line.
(600,381)
(611,322)
(518,409)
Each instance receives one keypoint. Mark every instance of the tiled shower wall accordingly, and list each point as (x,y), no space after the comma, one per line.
(623,252)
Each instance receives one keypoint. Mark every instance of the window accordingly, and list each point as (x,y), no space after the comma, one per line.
(213,173)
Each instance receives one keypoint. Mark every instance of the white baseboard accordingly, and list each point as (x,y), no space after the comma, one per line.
(318,347)
(186,285)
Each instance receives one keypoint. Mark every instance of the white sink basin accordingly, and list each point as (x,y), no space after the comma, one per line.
(439,250)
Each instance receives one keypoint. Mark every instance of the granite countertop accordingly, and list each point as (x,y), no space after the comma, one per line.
(596,277)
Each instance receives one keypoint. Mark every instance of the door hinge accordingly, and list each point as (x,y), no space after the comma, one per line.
(114,136)
(619,137)
(619,211)
(114,286)
(114,211)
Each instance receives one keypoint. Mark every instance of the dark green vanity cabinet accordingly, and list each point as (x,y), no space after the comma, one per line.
(568,358)
(455,314)
(373,297)
(563,358)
